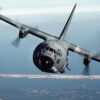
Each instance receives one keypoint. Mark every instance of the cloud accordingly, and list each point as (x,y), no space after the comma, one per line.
(33,76)
(44,10)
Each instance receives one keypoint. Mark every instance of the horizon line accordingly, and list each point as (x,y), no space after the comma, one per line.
(36,76)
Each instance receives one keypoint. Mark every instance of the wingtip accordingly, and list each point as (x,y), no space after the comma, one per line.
(76,3)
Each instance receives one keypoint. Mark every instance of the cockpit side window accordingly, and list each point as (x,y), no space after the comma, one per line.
(47,48)
(54,51)
(51,49)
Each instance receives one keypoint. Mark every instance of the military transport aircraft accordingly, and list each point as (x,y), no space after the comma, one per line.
(52,54)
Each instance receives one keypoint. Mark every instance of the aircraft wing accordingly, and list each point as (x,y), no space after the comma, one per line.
(29,29)
(84,52)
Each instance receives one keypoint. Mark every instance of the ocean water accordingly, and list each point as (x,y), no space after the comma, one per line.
(51,89)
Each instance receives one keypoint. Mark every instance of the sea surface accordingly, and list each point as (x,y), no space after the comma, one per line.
(16,88)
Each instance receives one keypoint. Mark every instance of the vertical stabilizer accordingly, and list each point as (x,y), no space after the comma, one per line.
(64,31)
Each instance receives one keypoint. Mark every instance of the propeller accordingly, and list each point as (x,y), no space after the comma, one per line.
(86,62)
(86,70)
(16,42)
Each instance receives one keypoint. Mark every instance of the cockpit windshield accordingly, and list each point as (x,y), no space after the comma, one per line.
(57,52)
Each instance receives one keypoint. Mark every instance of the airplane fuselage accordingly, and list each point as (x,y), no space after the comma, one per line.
(51,56)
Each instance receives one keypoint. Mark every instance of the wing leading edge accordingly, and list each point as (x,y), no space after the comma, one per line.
(36,32)
(84,52)
(31,30)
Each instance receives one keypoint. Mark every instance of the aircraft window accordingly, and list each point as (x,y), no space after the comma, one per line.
(47,48)
(54,51)
(51,49)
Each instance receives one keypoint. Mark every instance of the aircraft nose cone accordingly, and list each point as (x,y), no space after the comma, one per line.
(46,62)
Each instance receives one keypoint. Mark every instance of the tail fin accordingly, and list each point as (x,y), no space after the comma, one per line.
(64,31)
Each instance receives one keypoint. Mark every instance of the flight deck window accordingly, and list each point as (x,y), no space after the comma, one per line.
(47,48)
(51,49)
(54,51)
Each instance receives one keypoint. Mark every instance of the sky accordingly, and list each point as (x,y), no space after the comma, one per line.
(46,6)
(44,3)
(50,16)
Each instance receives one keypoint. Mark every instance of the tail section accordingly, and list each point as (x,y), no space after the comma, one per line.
(64,31)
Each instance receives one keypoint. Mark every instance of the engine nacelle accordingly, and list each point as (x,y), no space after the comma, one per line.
(86,61)
(23,32)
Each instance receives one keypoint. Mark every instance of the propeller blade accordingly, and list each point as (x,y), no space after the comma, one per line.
(86,70)
(16,42)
